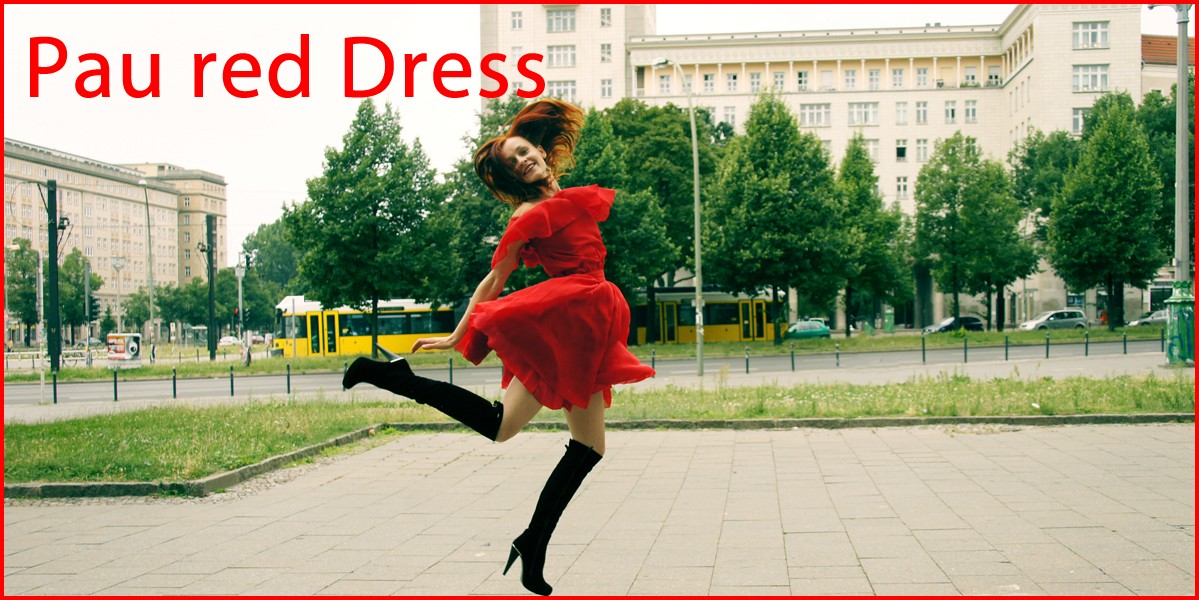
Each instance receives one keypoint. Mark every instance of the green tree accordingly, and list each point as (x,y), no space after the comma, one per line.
(71,291)
(1099,231)
(362,226)
(658,139)
(875,270)
(1039,166)
(996,252)
(276,259)
(107,324)
(20,272)
(953,180)
(135,309)
(773,219)
(1157,115)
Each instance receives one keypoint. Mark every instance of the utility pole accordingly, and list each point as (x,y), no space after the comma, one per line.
(210,250)
(53,316)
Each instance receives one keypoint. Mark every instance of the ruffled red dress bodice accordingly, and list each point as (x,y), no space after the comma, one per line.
(564,338)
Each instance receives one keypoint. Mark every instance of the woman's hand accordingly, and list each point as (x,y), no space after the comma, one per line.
(435,343)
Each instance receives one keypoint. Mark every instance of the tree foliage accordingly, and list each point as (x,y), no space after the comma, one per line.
(276,259)
(772,218)
(1100,233)
(20,272)
(1157,115)
(71,292)
(875,273)
(1039,166)
(362,226)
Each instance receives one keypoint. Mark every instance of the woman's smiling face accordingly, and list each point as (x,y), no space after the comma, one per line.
(526,161)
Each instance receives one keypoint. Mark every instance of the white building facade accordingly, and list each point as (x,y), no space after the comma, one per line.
(902,88)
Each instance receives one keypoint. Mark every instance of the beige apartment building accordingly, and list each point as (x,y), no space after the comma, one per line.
(106,206)
(903,88)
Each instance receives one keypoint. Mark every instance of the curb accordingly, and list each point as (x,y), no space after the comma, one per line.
(207,485)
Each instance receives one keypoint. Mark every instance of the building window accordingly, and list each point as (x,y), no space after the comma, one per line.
(992,76)
(187,237)
(187,202)
(1090,78)
(815,115)
(560,20)
(606,88)
(921,150)
(563,90)
(875,78)
(951,111)
(826,80)
(921,76)
(972,111)
(187,271)
(187,219)
(664,84)
(863,113)
(1080,115)
(901,187)
(896,78)
(730,115)
(901,151)
(687,84)
(755,83)
(518,19)
(560,56)
(872,149)
(801,81)
(732,82)
(1090,35)
(709,83)
(901,113)
(780,80)
(605,52)
(922,113)
(605,17)
(187,254)
(971,76)
(851,79)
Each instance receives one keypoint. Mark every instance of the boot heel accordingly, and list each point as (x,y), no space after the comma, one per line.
(388,355)
(511,559)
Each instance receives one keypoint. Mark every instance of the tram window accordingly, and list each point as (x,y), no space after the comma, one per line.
(356,324)
(443,320)
(301,326)
(393,324)
(722,314)
(686,316)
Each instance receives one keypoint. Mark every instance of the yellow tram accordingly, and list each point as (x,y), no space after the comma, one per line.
(305,328)
(727,318)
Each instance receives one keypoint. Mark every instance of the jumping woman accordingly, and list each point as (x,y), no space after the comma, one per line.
(562,341)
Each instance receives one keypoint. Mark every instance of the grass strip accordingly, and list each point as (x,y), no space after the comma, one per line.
(181,443)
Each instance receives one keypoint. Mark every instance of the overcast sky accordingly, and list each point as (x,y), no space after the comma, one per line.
(266,147)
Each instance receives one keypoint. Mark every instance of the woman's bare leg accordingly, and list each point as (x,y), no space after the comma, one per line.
(587,424)
(519,408)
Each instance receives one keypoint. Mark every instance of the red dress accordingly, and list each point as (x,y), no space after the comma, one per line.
(564,338)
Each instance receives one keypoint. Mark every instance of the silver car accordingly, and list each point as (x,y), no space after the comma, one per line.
(1159,318)
(1057,319)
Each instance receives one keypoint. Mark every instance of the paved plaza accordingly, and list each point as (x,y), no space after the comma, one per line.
(938,510)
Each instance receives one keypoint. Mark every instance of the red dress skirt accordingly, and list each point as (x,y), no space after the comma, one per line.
(565,338)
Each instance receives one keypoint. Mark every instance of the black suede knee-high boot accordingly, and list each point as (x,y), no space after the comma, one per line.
(397,377)
(564,481)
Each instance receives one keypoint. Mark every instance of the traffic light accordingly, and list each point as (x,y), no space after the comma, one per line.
(236,313)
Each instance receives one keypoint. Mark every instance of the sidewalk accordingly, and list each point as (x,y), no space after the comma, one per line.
(1078,510)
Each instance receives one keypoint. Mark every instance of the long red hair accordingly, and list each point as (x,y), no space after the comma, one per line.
(551,124)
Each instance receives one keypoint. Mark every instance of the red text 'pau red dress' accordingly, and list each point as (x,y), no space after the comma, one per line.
(565,338)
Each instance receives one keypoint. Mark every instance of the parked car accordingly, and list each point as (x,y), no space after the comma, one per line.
(1157,317)
(966,322)
(229,341)
(1057,319)
(90,343)
(807,328)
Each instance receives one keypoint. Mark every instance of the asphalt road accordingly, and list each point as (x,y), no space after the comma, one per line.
(266,385)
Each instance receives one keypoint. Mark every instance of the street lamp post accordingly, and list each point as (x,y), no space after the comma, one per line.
(240,270)
(1181,324)
(699,279)
(149,258)
(118,263)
